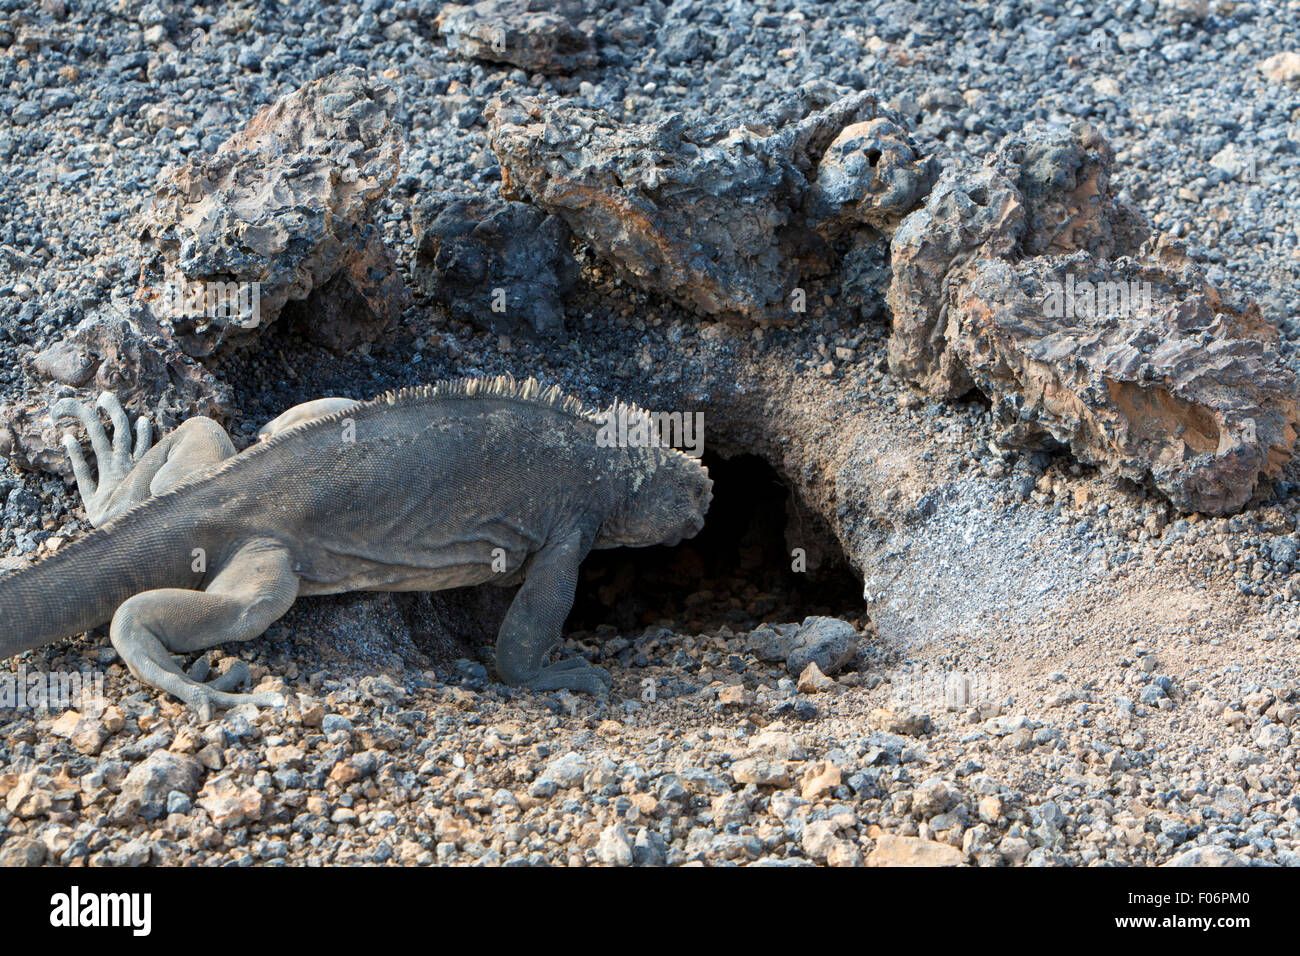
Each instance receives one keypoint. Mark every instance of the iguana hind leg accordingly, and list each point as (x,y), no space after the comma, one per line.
(536,616)
(254,588)
(129,473)
(182,455)
(114,462)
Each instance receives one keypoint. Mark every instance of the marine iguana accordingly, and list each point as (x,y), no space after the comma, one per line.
(459,483)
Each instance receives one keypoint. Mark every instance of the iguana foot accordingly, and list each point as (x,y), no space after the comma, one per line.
(573,674)
(148,660)
(206,701)
(113,461)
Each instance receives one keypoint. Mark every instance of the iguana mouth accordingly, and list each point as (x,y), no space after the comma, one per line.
(696,526)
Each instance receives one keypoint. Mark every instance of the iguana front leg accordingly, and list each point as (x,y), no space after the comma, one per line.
(253,589)
(536,616)
(317,408)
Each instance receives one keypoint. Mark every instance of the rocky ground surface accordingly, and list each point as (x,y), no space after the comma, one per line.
(1051,667)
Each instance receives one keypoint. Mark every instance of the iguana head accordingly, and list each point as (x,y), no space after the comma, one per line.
(666,502)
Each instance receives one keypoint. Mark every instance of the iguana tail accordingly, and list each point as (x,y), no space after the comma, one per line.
(82,584)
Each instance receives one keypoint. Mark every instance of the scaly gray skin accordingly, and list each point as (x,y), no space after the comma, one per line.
(421,489)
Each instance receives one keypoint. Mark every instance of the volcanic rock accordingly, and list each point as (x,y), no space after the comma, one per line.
(966,218)
(1030,280)
(503,266)
(277,211)
(726,221)
(1063,176)
(1144,376)
(531,34)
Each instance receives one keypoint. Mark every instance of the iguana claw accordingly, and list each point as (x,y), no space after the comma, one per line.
(236,675)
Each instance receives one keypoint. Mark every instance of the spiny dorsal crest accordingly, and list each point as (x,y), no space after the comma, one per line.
(527,391)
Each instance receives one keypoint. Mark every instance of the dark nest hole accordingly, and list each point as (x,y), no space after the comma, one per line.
(739,571)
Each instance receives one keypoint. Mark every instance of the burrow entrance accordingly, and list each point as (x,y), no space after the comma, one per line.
(739,571)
